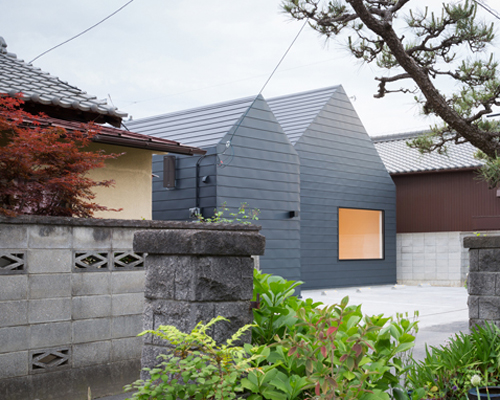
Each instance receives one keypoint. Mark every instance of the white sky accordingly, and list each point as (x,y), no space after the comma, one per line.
(159,56)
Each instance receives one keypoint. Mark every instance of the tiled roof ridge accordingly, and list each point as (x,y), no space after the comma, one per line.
(3,48)
(74,100)
(397,136)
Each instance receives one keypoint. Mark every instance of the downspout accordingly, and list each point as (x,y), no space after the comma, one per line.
(198,166)
(198,181)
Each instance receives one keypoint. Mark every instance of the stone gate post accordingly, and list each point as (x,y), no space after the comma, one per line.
(483,283)
(196,273)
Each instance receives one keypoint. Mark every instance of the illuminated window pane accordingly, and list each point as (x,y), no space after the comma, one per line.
(360,234)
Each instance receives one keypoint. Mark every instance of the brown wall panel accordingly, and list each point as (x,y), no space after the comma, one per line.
(445,201)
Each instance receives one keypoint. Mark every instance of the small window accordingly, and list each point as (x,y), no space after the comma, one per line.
(361,234)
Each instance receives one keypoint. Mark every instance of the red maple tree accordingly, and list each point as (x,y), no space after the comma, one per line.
(43,169)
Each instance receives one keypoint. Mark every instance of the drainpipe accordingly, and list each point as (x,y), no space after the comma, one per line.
(198,166)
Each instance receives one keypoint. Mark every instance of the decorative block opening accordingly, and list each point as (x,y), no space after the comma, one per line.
(11,262)
(45,360)
(128,260)
(91,261)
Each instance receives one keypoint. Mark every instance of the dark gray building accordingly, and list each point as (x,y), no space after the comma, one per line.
(327,202)
(249,159)
(340,173)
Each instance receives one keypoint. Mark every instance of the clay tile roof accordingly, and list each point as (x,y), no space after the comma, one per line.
(119,137)
(398,158)
(17,76)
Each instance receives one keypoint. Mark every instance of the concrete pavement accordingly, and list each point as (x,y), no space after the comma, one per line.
(443,310)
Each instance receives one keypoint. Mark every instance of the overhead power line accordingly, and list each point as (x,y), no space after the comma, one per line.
(487,8)
(228,143)
(81,33)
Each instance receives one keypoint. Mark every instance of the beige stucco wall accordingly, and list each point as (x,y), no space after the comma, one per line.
(133,183)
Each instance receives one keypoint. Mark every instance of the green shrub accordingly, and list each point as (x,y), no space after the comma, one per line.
(238,217)
(446,371)
(197,368)
(331,349)
(277,312)
(300,350)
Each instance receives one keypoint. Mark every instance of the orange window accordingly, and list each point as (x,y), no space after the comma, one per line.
(360,234)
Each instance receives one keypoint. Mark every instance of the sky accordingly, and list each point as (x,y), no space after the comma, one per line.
(160,56)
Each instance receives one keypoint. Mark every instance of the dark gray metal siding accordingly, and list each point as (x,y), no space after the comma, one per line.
(340,168)
(174,205)
(265,173)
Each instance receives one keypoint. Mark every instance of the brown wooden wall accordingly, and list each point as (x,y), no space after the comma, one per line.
(445,201)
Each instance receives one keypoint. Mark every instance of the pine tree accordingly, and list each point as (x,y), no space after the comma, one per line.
(418,50)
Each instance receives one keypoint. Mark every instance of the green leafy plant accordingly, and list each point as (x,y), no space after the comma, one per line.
(242,216)
(333,350)
(278,307)
(446,371)
(350,357)
(272,375)
(197,368)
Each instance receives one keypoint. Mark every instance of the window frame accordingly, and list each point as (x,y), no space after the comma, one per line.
(382,232)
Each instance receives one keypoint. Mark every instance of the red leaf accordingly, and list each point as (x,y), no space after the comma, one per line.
(317,389)
(323,351)
(44,167)
(331,330)
(292,350)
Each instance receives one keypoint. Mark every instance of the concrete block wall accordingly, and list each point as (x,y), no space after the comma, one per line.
(437,258)
(71,303)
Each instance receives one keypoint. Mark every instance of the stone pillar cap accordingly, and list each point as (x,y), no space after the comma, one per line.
(482,242)
(217,242)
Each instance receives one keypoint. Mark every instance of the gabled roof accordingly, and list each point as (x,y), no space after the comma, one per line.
(398,158)
(295,112)
(201,127)
(50,92)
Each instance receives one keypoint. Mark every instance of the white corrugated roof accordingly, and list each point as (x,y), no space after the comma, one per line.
(399,158)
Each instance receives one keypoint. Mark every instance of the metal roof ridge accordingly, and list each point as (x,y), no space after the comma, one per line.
(296,94)
(301,99)
(207,107)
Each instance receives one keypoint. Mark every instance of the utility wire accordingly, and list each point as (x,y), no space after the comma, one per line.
(487,8)
(81,33)
(228,143)
(132,102)
(284,55)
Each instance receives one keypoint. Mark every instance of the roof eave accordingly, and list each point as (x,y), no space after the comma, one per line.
(434,171)
(148,145)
